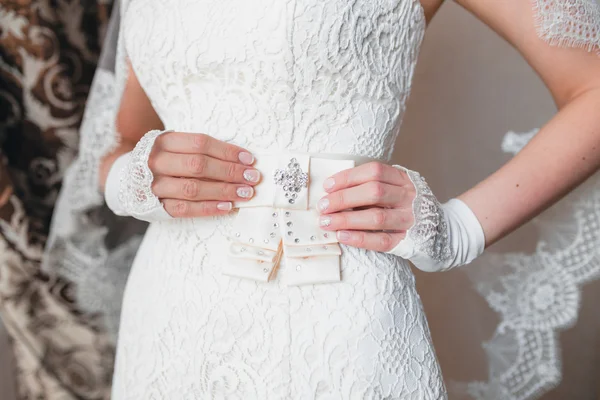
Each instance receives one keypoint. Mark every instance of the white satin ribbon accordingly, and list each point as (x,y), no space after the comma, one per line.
(281,220)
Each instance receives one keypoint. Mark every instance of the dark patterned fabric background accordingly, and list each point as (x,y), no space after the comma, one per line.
(48,55)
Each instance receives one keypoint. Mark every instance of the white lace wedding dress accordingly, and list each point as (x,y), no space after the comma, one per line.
(314,76)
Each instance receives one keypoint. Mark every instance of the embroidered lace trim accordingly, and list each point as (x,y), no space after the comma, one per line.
(569,23)
(430,231)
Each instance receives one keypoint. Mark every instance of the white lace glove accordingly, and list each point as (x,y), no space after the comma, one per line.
(128,189)
(442,236)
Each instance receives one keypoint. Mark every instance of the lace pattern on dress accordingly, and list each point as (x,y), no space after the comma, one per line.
(569,23)
(429,232)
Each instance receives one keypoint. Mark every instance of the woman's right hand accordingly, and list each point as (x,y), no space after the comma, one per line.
(191,174)
(197,175)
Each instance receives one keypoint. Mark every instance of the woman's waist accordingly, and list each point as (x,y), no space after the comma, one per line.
(293,180)
(279,221)
(243,250)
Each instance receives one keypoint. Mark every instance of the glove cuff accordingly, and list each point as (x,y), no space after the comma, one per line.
(442,236)
(128,189)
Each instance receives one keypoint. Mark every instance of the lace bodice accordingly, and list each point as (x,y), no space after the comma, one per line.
(310,75)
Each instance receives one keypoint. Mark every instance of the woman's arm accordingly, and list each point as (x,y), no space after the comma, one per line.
(181,175)
(136,116)
(391,209)
(566,151)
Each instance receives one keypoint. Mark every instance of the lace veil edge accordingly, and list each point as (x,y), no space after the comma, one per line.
(88,244)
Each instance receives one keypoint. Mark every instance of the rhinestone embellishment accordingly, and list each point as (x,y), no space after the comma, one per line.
(293,179)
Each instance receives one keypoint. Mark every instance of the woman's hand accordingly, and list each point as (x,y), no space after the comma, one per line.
(370,206)
(191,174)
(197,175)
(178,175)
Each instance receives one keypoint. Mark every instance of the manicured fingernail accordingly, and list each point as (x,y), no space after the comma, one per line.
(224,206)
(245,191)
(251,175)
(328,183)
(343,236)
(325,221)
(323,204)
(246,158)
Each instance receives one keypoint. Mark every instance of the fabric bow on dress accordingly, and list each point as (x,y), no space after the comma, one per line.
(282,220)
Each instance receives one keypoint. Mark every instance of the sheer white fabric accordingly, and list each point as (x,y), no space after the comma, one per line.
(87,243)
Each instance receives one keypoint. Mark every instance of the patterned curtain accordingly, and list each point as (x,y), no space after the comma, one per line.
(49,50)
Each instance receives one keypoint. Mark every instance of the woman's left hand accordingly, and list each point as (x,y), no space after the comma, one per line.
(370,206)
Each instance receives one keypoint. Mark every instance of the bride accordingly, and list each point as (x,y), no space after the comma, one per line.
(255,135)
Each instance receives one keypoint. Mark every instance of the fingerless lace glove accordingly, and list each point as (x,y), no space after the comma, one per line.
(128,189)
(442,236)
